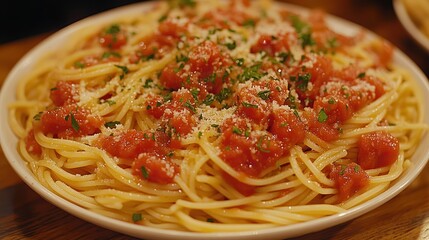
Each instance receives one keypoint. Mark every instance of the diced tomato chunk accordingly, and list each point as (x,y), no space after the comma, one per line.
(154,168)
(377,149)
(131,143)
(31,144)
(287,127)
(65,92)
(69,121)
(349,179)
(253,107)
(248,152)
(155,106)
(323,130)
(113,40)
(336,108)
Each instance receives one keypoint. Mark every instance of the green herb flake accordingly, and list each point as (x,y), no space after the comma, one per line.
(361,75)
(200,134)
(110,54)
(145,173)
(239,61)
(210,220)
(137,217)
(356,168)
(224,94)
(343,169)
(231,46)
(79,64)
(260,143)
(264,94)
(249,105)
(249,23)
(38,116)
(322,117)
(124,69)
(209,99)
(331,101)
(303,81)
(111,102)
(237,130)
(112,124)
(190,106)
(148,83)
(74,123)
(195,92)
(113,29)
(251,73)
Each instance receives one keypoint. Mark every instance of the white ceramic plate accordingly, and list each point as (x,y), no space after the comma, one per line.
(409,25)
(9,143)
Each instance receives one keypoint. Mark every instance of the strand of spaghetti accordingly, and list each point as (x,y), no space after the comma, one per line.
(201,226)
(225,203)
(68,193)
(368,194)
(132,196)
(315,186)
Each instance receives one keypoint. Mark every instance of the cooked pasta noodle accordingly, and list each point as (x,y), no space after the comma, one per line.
(218,116)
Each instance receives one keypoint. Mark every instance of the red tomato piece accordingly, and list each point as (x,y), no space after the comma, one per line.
(65,92)
(349,179)
(252,106)
(131,143)
(336,108)
(377,149)
(323,130)
(287,127)
(31,144)
(155,169)
(113,40)
(69,121)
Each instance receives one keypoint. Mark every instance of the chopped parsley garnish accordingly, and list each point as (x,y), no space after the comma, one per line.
(343,169)
(200,134)
(147,83)
(239,61)
(304,31)
(322,117)
(264,94)
(112,124)
(162,18)
(231,46)
(111,102)
(168,97)
(190,106)
(224,94)
(303,81)
(332,42)
(361,75)
(249,105)
(249,23)
(137,217)
(124,69)
(113,29)
(195,92)
(209,99)
(145,58)
(250,73)
(260,143)
(38,116)
(283,56)
(182,58)
(110,54)
(74,123)
(356,168)
(237,130)
(79,64)
(145,173)
(210,220)
(331,101)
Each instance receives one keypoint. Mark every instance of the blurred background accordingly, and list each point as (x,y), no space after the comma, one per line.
(25,18)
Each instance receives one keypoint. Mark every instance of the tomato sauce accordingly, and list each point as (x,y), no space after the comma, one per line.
(377,149)
(349,179)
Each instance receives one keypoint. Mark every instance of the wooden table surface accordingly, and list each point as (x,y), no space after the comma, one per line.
(25,215)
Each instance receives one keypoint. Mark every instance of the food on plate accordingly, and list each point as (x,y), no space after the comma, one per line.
(218,116)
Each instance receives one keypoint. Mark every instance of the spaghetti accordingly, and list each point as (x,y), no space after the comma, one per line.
(213,117)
